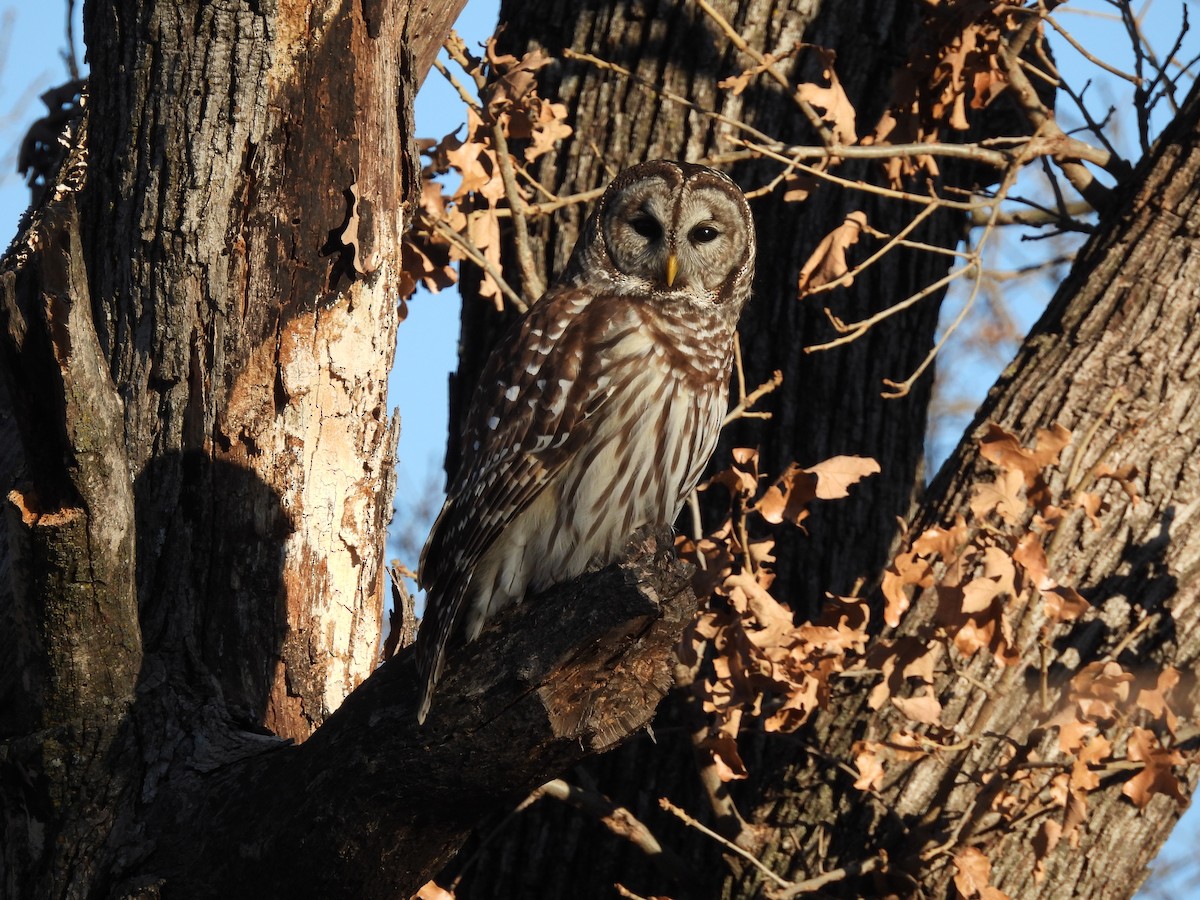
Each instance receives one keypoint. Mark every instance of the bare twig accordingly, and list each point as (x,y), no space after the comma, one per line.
(617,819)
(892,242)
(1160,75)
(865,187)
(69,55)
(812,885)
(468,248)
(524,172)
(729,845)
(456,49)
(1095,60)
(855,330)
(746,404)
(534,210)
(1071,150)
(531,277)
(1037,216)
(897,389)
(463,94)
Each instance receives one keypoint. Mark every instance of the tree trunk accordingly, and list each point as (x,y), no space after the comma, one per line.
(197,457)
(239,224)
(1113,360)
(829,404)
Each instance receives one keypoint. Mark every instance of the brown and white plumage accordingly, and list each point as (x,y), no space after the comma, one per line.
(598,412)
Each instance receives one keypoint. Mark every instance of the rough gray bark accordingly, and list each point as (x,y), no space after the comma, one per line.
(1124,326)
(1115,359)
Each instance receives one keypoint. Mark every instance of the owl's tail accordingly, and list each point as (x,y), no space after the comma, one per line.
(431,672)
(442,613)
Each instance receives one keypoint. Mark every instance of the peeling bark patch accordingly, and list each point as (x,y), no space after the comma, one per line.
(327,460)
(31,515)
(342,243)
(355,240)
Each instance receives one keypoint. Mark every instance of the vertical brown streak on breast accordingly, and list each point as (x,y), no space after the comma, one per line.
(581,469)
(690,427)
(673,396)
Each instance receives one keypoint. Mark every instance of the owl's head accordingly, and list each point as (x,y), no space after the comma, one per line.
(674,230)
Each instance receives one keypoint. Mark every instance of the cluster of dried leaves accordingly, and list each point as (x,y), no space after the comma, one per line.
(989,573)
(989,576)
(507,116)
(956,66)
(754,659)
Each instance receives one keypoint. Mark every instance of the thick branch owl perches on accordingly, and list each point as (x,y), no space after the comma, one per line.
(598,412)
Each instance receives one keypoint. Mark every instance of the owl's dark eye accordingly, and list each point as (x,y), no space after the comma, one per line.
(702,234)
(647,226)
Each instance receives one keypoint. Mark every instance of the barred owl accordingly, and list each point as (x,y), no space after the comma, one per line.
(598,412)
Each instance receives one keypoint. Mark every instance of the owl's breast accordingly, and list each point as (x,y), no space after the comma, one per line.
(651,423)
(647,454)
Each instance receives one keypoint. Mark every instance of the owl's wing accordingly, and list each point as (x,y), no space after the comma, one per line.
(533,408)
(530,410)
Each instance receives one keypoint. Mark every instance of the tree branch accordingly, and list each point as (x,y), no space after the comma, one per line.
(372,805)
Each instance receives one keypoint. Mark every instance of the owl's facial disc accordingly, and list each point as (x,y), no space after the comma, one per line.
(680,238)
(636,230)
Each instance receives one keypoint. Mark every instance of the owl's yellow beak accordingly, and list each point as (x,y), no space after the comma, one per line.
(672,269)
